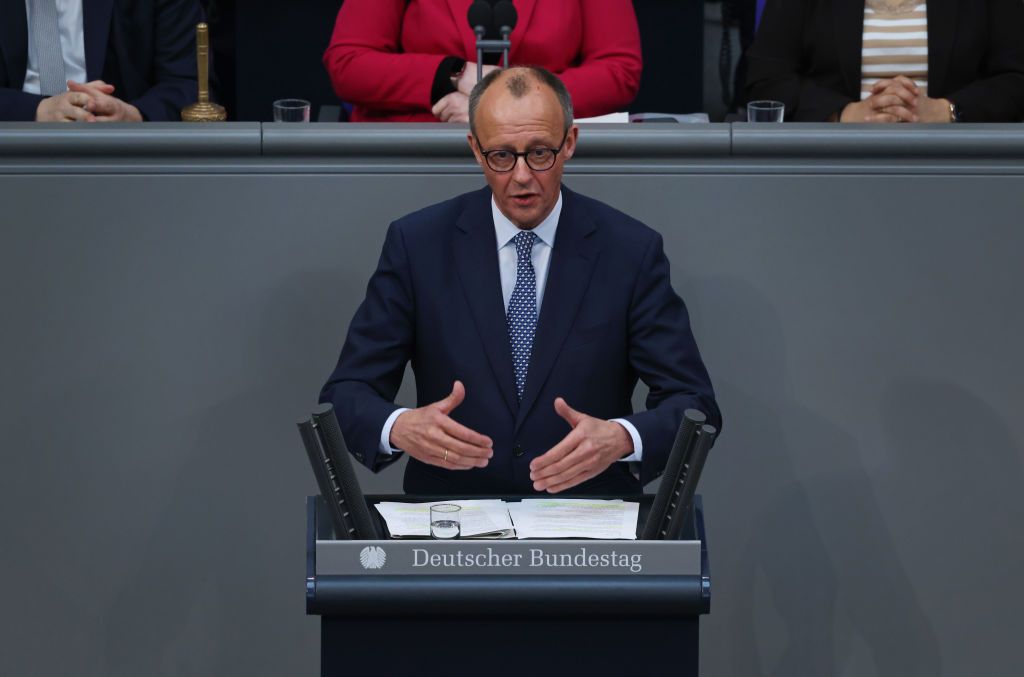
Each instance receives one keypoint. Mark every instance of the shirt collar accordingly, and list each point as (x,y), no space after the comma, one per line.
(505,230)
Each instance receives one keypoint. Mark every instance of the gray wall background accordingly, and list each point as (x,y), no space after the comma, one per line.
(169,317)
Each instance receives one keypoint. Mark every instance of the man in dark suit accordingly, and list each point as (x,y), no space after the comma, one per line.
(528,312)
(97,60)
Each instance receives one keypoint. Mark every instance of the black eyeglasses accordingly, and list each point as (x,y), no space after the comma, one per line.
(537,159)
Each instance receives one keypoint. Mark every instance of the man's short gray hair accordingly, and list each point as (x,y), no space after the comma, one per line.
(518,83)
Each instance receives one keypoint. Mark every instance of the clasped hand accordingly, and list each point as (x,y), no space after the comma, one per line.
(87,102)
(896,100)
(454,106)
(430,435)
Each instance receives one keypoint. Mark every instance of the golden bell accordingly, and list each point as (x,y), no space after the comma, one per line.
(203,110)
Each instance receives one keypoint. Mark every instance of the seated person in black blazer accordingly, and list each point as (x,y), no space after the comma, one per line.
(891,60)
(97,60)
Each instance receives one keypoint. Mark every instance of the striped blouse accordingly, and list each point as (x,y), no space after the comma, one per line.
(894,44)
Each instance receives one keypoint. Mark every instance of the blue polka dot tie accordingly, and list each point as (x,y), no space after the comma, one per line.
(522,309)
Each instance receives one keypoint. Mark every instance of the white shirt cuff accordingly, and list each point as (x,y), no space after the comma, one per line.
(638,445)
(385,435)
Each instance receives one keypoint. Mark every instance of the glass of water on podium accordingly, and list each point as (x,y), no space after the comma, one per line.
(765,111)
(291,110)
(445,521)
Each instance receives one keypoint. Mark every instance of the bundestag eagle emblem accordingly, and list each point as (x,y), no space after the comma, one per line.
(372,557)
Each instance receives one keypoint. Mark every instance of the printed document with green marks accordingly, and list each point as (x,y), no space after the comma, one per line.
(574,518)
(529,518)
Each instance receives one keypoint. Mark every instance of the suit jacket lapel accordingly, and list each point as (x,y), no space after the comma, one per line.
(14,41)
(96,18)
(941,34)
(476,262)
(848,16)
(569,272)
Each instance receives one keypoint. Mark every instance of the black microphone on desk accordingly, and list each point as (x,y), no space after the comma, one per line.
(505,18)
(481,20)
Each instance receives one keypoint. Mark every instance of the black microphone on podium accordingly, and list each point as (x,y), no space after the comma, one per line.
(481,20)
(505,18)
(485,19)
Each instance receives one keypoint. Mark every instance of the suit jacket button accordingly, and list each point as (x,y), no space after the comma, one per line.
(359,456)
(517,451)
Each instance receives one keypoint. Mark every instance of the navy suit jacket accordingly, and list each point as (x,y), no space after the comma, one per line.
(609,315)
(145,48)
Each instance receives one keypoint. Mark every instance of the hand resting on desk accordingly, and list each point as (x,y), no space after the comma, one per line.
(103,105)
(86,102)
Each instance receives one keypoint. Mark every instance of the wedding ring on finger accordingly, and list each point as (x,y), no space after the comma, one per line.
(445,455)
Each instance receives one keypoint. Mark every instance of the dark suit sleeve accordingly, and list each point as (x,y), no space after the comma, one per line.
(377,349)
(775,65)
(174,61)
(18,106)
(664,354)
(998,95)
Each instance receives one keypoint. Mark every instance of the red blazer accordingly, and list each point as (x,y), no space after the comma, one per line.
(384,53)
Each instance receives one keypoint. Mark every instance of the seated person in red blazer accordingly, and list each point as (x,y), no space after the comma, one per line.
(891,60)
(414,60)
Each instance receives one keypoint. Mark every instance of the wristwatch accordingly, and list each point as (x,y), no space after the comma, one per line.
(954,112)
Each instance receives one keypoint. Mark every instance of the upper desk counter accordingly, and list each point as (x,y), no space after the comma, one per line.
(260,148)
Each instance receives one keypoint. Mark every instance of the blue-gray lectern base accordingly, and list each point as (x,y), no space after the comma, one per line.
(427,646)
(515,607)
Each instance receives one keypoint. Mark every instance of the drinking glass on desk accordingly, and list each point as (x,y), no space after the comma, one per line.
(291,110)
(765,111)
(445,521)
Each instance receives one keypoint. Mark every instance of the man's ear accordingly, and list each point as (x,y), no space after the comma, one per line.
(475,149)
(570,142)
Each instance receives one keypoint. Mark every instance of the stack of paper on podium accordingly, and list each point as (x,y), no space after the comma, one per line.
(574,518)
(529,518)
(480,518)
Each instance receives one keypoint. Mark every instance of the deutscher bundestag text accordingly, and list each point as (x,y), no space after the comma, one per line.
(537,558)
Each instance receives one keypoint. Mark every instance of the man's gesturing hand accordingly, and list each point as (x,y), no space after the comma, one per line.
(585,452)
(428,434)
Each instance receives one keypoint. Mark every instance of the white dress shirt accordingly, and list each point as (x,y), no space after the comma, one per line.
(505,231)
(72,44)
(508,260)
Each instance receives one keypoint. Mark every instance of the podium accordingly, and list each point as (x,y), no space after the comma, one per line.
(515,607)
